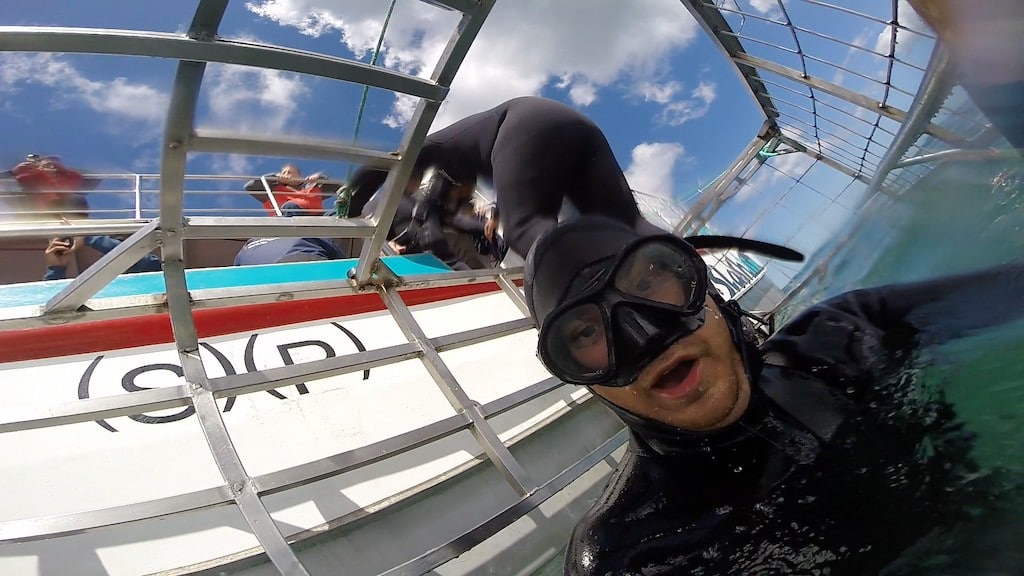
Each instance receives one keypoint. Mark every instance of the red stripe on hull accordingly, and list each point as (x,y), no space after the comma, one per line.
(134,332)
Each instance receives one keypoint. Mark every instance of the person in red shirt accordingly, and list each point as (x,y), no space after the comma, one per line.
(295,195)
(51,188)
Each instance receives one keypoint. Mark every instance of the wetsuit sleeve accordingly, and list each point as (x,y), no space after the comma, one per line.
(849,334)
(943,309)
(467,224)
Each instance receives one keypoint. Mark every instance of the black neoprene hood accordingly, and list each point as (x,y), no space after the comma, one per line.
(551,268)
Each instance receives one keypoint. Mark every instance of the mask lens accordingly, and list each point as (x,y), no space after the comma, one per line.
(577,343)
(659,272)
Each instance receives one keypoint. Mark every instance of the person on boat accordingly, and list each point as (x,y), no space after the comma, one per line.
(536,152)
(816,451)
(279,250)
(52,189)
(60,251)
(295,195)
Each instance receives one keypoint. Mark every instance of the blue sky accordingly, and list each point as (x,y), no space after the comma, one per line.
(671,105)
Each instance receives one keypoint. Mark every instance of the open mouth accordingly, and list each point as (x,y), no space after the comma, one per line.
(679,381)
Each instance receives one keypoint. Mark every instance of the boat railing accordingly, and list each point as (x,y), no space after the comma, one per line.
(133,196)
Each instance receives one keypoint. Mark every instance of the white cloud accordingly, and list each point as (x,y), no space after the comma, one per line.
(234,164)
(401,111)
(768,8)
(252,100)
(678,112)
(904,40)
(650,174)
(582,50)
(118,97)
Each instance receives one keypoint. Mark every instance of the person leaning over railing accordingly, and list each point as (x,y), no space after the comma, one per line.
(536,153)
(295,195)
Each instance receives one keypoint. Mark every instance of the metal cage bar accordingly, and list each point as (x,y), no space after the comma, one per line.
(496,450)
(702,210)
(95,277)
(201,48)
(180,119)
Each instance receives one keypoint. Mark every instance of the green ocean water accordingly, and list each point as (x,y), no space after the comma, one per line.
(962,217)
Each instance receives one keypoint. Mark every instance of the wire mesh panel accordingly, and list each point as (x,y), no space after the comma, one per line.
(861,97)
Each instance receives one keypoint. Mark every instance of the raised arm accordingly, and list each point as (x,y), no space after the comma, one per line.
(846,334)
(944,308)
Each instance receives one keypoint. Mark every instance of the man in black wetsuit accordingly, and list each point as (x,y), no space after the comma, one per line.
(536,152)
(814,453)
(405,237)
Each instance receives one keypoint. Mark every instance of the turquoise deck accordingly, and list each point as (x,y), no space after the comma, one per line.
(150,283)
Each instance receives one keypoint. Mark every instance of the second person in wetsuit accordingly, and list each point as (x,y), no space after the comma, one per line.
(817,452)
(536,153)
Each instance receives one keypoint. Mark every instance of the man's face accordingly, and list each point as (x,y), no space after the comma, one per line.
(290,173)
(697,384)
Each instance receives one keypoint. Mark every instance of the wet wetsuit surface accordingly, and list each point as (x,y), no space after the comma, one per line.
(430,236)
(840,464)
(536,152)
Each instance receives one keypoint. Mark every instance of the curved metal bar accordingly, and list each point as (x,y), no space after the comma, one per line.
(219,141)
(46,527)
(712,21)
(180,118)
(956,154)
(178,47)
(842,93)
(935,85)
(40,528)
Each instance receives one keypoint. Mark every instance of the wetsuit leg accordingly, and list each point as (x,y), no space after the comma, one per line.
(546,151)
